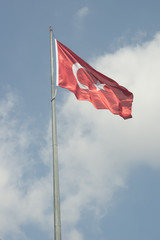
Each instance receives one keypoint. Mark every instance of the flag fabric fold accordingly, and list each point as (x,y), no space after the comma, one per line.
(88,84)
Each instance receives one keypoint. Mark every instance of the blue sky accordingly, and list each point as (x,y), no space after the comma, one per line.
(109,168)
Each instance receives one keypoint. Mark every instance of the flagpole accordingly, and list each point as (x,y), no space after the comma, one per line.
(56,194)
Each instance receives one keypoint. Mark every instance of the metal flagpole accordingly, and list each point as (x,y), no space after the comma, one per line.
(57,219)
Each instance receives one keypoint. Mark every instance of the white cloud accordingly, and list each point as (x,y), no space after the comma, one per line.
(99,149)
(25,198)
(78,18)
(83,12)
(74,235)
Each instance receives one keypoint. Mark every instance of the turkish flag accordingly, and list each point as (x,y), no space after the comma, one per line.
(88,84)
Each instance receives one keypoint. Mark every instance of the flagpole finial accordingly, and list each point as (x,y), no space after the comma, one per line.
(51,31)
(50,28)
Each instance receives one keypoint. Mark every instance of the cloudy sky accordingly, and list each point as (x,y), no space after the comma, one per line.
(109,167)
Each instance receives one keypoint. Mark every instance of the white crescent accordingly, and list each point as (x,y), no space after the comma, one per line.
(99,86)
(75,68)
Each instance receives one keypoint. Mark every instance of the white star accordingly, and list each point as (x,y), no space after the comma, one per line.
(99,86)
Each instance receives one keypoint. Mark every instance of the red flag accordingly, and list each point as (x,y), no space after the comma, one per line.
(88,84)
